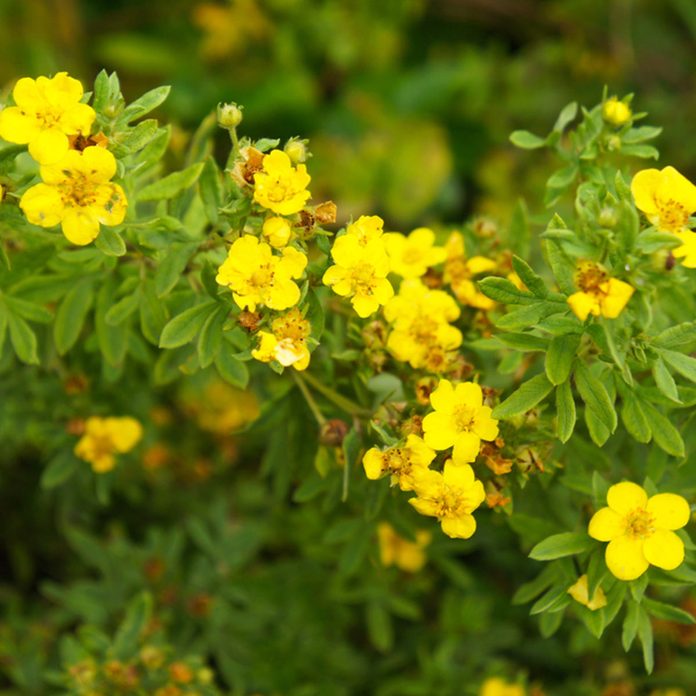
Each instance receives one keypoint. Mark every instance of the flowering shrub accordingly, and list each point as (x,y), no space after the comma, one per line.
(531,392)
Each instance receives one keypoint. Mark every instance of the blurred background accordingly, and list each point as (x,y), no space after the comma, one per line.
(408,103)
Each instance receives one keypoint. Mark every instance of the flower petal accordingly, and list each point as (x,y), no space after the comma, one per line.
(80,225)
(606,525)
(669,510)
(42,205)
(469,393)
(18,127)
(442,398)
(458,476)
(583,305)
(644,187)
(664,549)
(625,559)
(466,447)
(626,496)
(439,431)
(49,147)
(459,527)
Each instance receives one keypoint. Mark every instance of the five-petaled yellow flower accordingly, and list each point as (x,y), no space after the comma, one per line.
(460,272)
(460,419)
(668,199)
(402,463)
(599,295)
(279,186)
(580,592)
(104,438)
(420,324)
(360,273)
(640,530)
(412,256)
(257,276)
(286,343)
(78,193)
(451,496)
(405,554)
(47,111)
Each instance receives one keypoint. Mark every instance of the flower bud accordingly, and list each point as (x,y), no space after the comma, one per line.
(616,113)
(229,116)
(277,231)
(296,150)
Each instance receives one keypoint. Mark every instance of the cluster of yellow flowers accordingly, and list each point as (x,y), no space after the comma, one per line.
(104,438)
(459,421)
(263,272)
(76,190)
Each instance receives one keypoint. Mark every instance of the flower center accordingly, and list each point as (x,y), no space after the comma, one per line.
(77,190)
(590,279)
(411,256)
(639,523)
(363,277)
(464,416)
(673,216)
(396,461)
(262,277)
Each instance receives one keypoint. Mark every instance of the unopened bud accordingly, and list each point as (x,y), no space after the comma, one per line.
(229,116)
(333,432)
(616,112)
(296,150)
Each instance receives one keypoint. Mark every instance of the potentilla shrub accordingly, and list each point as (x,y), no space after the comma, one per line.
(409,391)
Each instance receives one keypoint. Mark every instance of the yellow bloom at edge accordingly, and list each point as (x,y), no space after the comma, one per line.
(599,294)
(405,554)
(277,230)
(666,197)
(580,593)
(77,194)
(281,187)
(367,228)
(47,111)
(460,419)
(640,530)
(451,496)
(106,437)
(360,273)
(616,112)
(287,343)
(460,271)
(412,256)
(402,463)
(257,276)
(495,686)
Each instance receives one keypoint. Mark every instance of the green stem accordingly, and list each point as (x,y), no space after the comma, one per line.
(313,407)
(341,401)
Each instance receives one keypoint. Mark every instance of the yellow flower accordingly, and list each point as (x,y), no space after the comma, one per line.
(360,272)
(258,277)
(77,193)
(403,463)
(451,496)
(220,408)
(412,256)
(599,294)
(616,112)
(47,111)
(367,228)
(580,593)
(460,419)
(687,251)
(640,530)
(404,554)
(495,686)
(287,343)
(459,272)
(420,328)
(280,186)
(666,197)
(106,437)
(277,231)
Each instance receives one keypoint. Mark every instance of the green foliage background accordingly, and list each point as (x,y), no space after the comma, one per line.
(408,106)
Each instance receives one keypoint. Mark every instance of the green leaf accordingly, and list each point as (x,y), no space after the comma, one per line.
(172,266)
(565,412)
(630,625)
(664,380)
(169,186)
(71,316)
(645,633)
(59,469)
(561,545)
(634,418)
(524,398)
(526,140)
(23,340)
(210,337)
(379,626)
(502,290)
(652,240)
(561,265)
(560,356)
(112,340)
(643,151)
(667,611)
(145,104)
(126,642)
(153,312)
(681,337)
(183,328)
(568,114)
(124,308)
(524,341)
(665,435)
(596,398)
(532,280)
(233,371)
(211,190)
(685,365)
(110,243)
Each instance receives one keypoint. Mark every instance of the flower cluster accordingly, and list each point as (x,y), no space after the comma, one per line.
(76,191)
(395,550)
(461,270)
(286,343)
(104,438)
